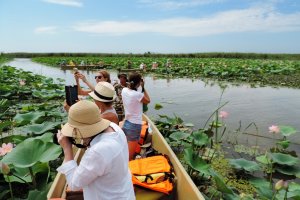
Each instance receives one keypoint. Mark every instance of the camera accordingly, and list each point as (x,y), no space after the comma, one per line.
(55,141)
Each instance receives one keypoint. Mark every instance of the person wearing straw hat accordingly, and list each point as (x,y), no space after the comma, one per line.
(133,101)
(103,172)
(104,95)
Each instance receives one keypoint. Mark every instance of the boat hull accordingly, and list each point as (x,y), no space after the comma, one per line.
(185,187)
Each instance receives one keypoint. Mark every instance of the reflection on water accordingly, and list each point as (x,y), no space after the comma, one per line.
(195,100)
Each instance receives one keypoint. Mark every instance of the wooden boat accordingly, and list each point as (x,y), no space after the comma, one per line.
(125,70)
(83,67)
(185,188)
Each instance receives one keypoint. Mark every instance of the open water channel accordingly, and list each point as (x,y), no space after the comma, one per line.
(195,100)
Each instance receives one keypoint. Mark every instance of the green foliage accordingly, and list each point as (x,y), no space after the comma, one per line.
(287,130)
(30,152)
(284,159)
(243,164)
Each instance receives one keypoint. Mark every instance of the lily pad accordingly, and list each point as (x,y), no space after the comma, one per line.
(287,130)
(284,159)
(32,151)
(158,106)
(179,135)
(247,165)
(200,138)
(23,119)
(39,129)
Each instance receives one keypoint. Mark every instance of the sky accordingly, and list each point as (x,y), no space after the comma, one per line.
(156,26)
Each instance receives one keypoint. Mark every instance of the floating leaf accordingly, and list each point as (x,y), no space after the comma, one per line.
(287,130)
(247,165)
(158,106)
(264,159)
(31,151)
(189,125)
(23,119)
(39,129)
(200,138)
(284,159)
(285,144)
(289,170)
(179,135)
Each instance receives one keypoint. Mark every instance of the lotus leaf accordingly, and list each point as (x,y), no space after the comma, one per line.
(287,130)
(38,129)
(247,165)
(196,162)
(4,124)
(32,151)
(23,119)
(158,106)
(200,138)
(189,125)
(284,159)
(179,135)
(289,170)
(222,187)
(285,143)
(36,194)
(264,159)
(260,183)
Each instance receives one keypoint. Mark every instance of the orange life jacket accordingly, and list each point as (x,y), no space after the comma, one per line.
(153,172)
(143,136)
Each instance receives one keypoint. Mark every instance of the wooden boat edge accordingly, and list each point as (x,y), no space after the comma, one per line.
(186,189)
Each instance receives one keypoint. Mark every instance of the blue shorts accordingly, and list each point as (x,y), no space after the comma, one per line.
(132,131)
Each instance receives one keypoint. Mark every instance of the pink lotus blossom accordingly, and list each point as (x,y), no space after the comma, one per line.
(274,129)
(6,148)
(223,114)
(22,82)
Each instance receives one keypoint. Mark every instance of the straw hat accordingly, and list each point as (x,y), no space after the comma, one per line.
(122,75)
(104,92)
(84,120)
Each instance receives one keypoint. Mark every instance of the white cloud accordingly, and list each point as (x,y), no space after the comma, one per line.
(173,5)
(253,19)
(45,30)
(74,3)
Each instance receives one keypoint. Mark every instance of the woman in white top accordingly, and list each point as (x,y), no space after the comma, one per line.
(103,172)
(133,101)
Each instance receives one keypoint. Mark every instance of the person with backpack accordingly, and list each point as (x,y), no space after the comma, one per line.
(103,171)
(133,101)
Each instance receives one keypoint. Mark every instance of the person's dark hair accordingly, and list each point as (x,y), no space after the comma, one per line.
(105,74)
(108,103)
(134,80)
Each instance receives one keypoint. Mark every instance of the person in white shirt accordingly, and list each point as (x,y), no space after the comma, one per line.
(103,172)
(133,101)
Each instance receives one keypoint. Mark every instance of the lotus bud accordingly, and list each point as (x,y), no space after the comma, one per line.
(5,168)
(285,185)
(279,185)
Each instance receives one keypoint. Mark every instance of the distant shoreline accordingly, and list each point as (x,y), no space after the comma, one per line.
(277,56)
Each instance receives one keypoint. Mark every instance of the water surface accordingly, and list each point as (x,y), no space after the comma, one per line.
(195,100)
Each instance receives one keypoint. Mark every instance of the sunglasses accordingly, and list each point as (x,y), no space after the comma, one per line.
(99,77)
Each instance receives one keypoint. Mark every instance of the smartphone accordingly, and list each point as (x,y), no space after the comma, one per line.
(71,94)
(75,70)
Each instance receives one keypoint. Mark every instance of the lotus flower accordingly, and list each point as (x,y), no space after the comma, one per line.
(274,129)
(4,168)
(281,184)
(22,82)
(6,148)
(223,114)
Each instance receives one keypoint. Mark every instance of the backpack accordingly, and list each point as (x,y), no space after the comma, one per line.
(154,173)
